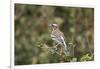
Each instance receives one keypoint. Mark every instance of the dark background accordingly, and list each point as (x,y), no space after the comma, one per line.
(32,31)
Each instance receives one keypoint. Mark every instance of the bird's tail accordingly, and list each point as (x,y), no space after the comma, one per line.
(65,47)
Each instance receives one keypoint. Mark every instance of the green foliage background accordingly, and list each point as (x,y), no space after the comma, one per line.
(32,30)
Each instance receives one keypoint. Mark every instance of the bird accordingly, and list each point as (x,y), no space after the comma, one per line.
(58,36)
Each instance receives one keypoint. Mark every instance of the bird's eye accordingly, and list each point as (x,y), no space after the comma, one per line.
(55,26)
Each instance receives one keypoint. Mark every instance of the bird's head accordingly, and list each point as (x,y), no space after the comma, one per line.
(53,26)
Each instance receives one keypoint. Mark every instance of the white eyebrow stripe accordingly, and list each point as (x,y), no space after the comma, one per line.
(54,24)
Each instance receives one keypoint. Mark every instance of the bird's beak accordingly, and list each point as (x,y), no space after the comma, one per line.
(50,26)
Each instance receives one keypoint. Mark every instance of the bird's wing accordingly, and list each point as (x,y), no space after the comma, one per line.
(65,46)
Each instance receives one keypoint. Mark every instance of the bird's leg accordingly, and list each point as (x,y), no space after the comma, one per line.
(55,45)
(61,50)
